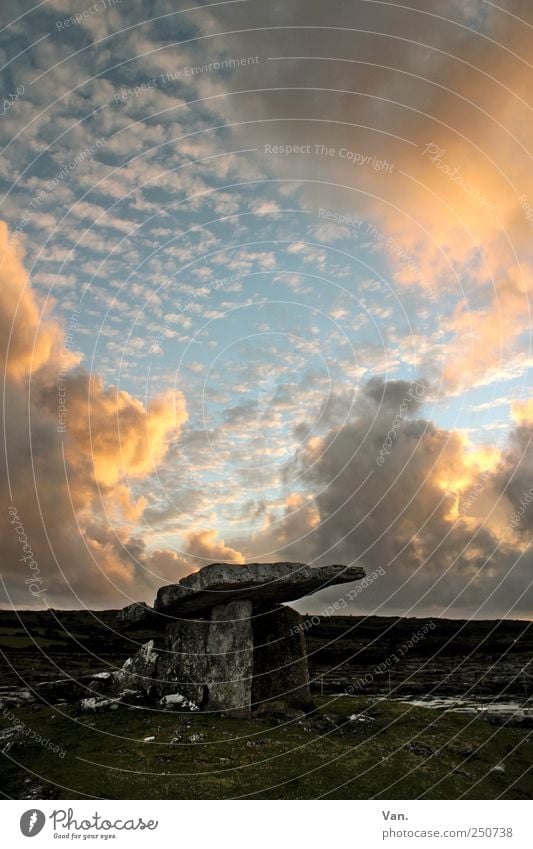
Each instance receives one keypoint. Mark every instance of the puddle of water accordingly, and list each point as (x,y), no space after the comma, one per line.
(473,706)
(480,706)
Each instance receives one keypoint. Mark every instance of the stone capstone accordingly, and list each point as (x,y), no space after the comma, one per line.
(264,583)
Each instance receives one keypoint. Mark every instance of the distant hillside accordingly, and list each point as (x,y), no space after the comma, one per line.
(371,654)
(455,657)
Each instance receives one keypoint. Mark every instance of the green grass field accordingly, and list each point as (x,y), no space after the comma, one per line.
(396,752)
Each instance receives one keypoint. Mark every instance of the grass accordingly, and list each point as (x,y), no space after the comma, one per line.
(398,752)
(21,642)
(17,638)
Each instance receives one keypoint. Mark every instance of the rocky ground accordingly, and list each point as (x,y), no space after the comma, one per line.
(355,748)
(363,740)
(477,658)
(466,659)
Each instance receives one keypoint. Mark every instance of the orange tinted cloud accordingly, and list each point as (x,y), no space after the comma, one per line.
(440,92)
(29,339)
(114,432)
(205,546)
(70,486)
(522,412)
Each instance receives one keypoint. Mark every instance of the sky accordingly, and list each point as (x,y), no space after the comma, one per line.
(265,291)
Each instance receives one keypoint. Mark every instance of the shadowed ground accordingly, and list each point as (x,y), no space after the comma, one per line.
(356,748)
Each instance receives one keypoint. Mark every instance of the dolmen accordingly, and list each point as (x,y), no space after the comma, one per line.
(225,642)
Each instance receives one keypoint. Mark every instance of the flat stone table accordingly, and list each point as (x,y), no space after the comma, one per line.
(229,645)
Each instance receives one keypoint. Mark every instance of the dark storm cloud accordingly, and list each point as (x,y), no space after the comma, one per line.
(402,515)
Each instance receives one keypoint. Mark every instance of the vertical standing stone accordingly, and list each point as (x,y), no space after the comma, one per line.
(230,659)
(183,667)
(281,675)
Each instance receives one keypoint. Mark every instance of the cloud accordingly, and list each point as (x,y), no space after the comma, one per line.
(31,340)
(204,548)
(447,110)
(523,412)
(440,93)
(515,471)
(113,434)
(435,514)
(73,450)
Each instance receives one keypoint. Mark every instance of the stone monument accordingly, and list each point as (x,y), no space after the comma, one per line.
(225,642)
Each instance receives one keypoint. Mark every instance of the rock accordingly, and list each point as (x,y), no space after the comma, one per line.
(102,683)
(16,698)
(173,699)
(148,739)
(325,722)
(208,663)
(360,717)
(66,689)
(233,663)
(177,700)
(139,672)
(8,736)
(97,704)
(242,651)
(36,791)
(135,614)
(263,583)
(182,666)
(281,675)
(69,690)
(230,659)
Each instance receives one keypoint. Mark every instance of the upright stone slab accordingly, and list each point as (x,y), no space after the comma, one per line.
(230,652)
(182,669)
(281,674)
(205,664)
